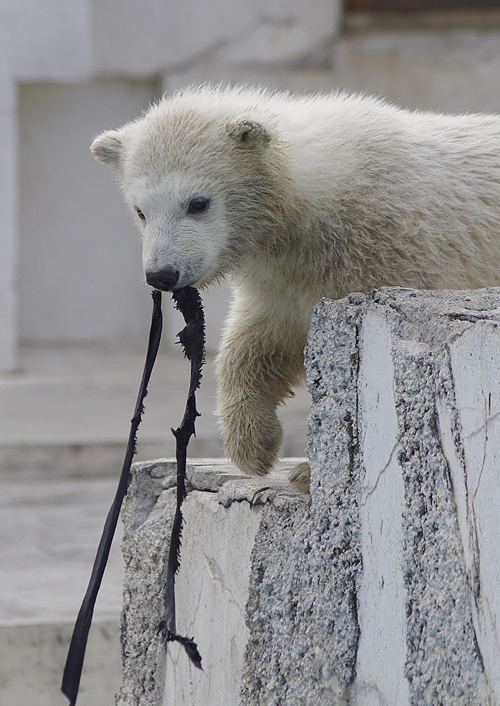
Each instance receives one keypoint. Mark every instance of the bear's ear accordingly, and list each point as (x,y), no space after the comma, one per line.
(250,134)
(108,147)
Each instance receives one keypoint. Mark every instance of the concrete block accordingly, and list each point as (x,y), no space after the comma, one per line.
(415,368)
(377,588)
(220,532)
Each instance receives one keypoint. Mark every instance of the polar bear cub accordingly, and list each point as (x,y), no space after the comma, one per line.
(297,198)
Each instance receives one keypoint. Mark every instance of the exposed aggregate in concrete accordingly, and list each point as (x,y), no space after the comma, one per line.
(302,610)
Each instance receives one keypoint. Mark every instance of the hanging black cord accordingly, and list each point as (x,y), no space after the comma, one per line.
(76,653)
(192,339)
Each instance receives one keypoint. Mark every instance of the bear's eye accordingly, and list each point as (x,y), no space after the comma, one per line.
(198,205)
(140,213)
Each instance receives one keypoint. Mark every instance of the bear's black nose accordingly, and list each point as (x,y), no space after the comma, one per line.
(163,279)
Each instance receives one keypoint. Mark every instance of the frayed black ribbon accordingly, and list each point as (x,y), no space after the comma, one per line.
(192,338)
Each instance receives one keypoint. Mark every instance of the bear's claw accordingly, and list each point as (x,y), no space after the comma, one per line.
(299,477)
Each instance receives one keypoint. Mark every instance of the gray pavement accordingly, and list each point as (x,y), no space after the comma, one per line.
(64,423)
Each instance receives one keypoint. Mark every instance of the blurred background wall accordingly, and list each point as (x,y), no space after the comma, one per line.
(70,266)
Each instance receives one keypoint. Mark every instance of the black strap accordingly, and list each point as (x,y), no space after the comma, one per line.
(76,653)
(192,339)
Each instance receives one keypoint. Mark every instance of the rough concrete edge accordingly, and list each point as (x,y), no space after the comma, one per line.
(147,515)
(443,664)
(424,325)
(306,561)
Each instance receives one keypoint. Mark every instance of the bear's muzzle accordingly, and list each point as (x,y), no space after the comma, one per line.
(163,279)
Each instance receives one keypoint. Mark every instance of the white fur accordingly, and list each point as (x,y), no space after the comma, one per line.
(309,197)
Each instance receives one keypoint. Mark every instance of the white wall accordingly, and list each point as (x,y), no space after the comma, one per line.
(46,39)
(80,270)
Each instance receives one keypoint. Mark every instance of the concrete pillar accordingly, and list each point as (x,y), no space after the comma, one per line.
(380,587)
(8,227)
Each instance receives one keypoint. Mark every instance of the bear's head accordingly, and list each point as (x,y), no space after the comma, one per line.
(199,172)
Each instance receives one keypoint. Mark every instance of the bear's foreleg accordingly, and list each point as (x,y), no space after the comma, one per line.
(258,366)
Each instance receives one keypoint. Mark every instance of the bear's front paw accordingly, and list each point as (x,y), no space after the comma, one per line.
(251,441)
(254,455)
(300,477)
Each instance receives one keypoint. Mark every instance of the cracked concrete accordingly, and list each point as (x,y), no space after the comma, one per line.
(478,397)
(382,650)
(381,586)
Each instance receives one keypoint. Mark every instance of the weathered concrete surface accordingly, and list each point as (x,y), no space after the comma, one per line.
(381,586)
(211,587)
(425,369)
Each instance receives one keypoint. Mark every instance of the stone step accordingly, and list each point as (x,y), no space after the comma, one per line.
(67,412)
(49,532)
